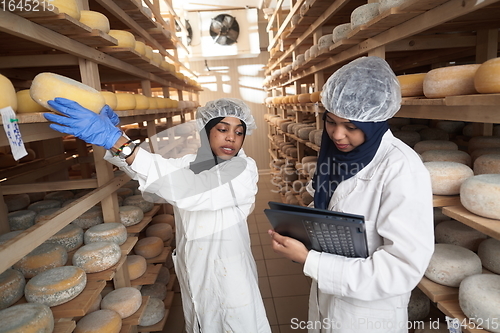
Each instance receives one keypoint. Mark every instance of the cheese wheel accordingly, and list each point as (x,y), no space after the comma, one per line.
(483,142)
(157,58)
(423,146)
(450,264)
(124,101)
(42,205)
(141,102)
(155,290)
(153,104)
(26,104)
(130,215)
(450,81)
(17,201)
(388,4)
(100,321)
(411,84)
(70,237)
(137,266)
(411,138)
(95,20)
(162,230)
(163,276)
(481,195)
(110,99)
(457,233)
(41,259)
(69,7)
(488,163)
(139,201)
(12,284)
(447,177)
(434,134)
(419,305)
(9,235)
(149,247)
(125,301)
(124,38)
(450,126)
(304,98)
(479,299)
(440,155)
(106,232)
(164,218)
(340,32)
(324,42)
(8,96)
(56,286)
(59,195)
(97,257)
(90,218)
(148,52)
(487,77)
(140,47)
(27,318)
(316,96)
(153,313)
(489,253)
(47,86)
(364,14)
(45,215)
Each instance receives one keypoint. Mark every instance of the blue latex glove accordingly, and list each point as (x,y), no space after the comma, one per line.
(93,128)
(115,120)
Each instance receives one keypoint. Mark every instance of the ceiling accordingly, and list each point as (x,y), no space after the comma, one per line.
(215,5)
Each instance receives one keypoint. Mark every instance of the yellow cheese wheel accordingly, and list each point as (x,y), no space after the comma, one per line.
(140,47)
(164,218)
(412,84)
(41,259)
(8,96)
(125,301)
(124,101)
(12,284)
(27,318)
(130,215)
(47,86)
(100,321)
(141,102)
(70,237)
(450,81)
(124,38)
(316,96)
(56,286)
(148,50)
(157,58)
(149,247)
(110,99)
(106,232)
(95,20)
(162,230)
(26,104)
(487,78)
(97,257)
(153,103)
(137,266)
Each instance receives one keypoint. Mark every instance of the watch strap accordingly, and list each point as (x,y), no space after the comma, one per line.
(126,144)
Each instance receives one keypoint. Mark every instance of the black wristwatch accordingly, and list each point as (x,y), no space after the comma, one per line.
(126,150)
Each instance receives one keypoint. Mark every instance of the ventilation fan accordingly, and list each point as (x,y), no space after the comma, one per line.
(189,36)
(224,29)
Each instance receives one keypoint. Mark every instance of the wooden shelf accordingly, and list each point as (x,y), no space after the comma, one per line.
(452,309)
(79,306)
(437,292)
(445,200)
(485,225)
(149,277)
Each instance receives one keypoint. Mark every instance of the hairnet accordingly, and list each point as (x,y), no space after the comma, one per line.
(225,107)
(366,89)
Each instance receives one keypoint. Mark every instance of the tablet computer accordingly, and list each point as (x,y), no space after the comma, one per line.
(319,229)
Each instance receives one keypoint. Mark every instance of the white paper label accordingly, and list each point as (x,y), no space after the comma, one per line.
(13,133)
(316,109)
(453,325)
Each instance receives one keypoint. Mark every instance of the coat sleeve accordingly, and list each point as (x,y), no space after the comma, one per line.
(405,223)
(229,184)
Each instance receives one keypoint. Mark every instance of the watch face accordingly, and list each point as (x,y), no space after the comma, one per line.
(127,150)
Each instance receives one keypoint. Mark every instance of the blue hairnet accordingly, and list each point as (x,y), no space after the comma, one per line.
(225,107)
(366,89)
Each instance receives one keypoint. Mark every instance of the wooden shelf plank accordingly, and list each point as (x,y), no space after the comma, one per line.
(64,327)
(137,228)
(487,226)
(79,306)
(108,274)
(469,113)
(445,200)
(437,292)
(149,277)
(452,309)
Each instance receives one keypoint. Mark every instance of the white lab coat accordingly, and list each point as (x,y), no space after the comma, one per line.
(213,260)
(357,295)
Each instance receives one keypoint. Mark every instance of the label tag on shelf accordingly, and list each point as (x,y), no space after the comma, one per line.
(13,133)
(453,325)
(316,109)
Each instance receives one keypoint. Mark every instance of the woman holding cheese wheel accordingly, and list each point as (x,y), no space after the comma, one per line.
(212,191)
(363,169)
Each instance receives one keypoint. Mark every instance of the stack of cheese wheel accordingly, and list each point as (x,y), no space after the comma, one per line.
(41,259)
(105,320)
(12,284)
(125,301)
(450,81)
(450,264)
(106,232)
(137,266)
(26,104)
(124,38)
(27,318)
(97,257)
(481,195)
(47,86)
(412,84)
(56,286)
(95,20)
(487,77)
(447,177)
(8,96)
(149,247)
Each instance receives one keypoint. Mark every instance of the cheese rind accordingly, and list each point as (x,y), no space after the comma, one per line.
(70,237)
(137,266)
(12,283)
(481,195)
(487,164)
(130,215)
(149,247)
(447,177)
(69,7)
(411,84)
(450,81)
(106,232)
(26,104)
(27,318)
(21,219)
(139,201)
(457,233)
(110,99)
(95,20)
(124,38)
(154,312)
(8,96)
(125,301)
(41,259)
(124,101)
(489,252)
(487,77)
(100,321)
(97,257)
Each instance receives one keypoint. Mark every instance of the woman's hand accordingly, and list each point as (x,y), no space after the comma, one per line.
(288,247)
